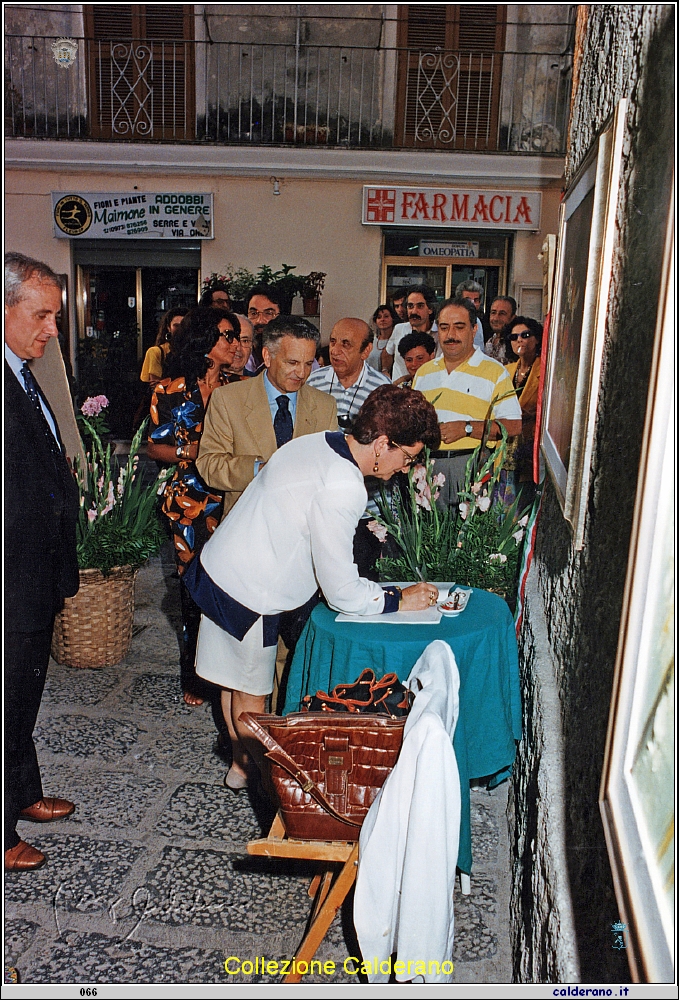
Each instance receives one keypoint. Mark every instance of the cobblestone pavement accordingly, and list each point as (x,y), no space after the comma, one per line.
(149,880)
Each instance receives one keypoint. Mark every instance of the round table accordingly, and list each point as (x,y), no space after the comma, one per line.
(483,640)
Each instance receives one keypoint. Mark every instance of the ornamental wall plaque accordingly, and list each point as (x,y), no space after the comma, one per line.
(64,50)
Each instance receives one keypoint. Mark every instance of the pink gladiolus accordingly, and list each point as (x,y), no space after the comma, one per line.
(378,530)
(92,515)
(423,498)
(464,510)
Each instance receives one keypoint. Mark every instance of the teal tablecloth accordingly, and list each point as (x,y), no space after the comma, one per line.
(484,642)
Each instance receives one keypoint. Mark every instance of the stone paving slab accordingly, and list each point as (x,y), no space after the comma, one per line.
(149,880)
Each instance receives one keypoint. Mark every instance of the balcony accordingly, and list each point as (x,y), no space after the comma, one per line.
(291,95)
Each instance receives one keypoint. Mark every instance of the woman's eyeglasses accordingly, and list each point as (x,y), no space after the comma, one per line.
(524,336)
(410,459)
(230,335)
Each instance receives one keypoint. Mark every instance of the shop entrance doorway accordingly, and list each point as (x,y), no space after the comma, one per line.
(120,306)
(443,278)
(403,266)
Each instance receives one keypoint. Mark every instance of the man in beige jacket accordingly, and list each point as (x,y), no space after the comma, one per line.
(246,423)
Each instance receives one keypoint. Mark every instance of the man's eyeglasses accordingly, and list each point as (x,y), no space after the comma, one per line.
(266,314)
(524,336)
(410,459)
(222,302)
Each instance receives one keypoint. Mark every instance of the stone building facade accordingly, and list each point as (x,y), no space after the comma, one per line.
(563,901)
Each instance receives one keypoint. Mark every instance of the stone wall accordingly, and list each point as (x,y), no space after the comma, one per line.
(572,618)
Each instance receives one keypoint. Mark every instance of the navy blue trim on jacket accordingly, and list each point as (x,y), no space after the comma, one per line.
(223,609)
(338,443)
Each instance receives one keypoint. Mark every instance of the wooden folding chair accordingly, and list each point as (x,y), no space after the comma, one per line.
(328,895)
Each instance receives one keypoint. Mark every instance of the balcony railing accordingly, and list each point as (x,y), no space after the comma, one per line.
(296,95)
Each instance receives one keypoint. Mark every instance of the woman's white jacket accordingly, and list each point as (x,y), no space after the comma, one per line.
(292,531)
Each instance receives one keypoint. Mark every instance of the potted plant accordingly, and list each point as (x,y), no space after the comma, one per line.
(312,286)
(239,281)
(118,529)
(287,284)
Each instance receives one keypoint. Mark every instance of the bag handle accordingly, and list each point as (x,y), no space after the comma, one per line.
(277,754)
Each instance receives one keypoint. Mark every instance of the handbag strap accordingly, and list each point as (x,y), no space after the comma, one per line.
(277,754)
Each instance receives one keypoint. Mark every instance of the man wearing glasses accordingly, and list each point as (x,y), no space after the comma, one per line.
(464,385)
(262,304)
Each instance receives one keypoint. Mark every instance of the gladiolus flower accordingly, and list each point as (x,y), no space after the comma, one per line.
(464,510)
(483,503)
(518,535)
(92,515)
(378,530)
(497,557)
(524,521)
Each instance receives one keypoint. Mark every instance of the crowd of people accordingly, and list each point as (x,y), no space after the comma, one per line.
(469,366)
(277,460)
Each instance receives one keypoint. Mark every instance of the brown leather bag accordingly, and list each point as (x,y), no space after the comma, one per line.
(327,768)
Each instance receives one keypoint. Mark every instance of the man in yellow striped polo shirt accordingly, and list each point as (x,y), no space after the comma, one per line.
(464,385)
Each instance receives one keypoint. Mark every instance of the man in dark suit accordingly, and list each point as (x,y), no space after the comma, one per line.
(41,509)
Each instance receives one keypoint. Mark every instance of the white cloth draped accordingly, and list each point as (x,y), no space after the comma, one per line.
(410,837)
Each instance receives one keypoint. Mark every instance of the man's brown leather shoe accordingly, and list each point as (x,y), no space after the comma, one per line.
(47,810)
(23,858)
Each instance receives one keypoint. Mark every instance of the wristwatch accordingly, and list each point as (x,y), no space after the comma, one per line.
(180,451)
(469,429)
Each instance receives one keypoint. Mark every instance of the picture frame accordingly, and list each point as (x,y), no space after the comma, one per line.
(636,797)
(579,307)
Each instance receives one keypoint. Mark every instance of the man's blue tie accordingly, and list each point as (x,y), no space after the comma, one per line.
(282,423)
(33,393)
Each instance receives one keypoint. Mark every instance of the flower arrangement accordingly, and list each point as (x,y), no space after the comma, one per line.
(118,523)
(476,543)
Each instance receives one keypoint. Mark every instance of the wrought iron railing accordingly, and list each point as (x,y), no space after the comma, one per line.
(287,94)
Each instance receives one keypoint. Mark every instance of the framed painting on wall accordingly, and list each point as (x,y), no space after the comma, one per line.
(583,273)
(637,785)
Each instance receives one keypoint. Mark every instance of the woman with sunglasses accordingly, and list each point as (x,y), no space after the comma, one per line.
(523,337)
(291,532)
(202,349)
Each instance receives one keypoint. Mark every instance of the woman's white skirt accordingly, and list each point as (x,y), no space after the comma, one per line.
(242,666)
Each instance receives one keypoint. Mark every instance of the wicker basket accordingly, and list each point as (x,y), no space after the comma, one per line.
(94,629)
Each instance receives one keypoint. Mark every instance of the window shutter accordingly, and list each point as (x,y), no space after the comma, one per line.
(164,22)
(477,27)
(112,21)
(426,26)
(141,70)
(449,79)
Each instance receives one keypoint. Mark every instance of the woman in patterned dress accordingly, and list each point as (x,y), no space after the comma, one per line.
(202,349)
